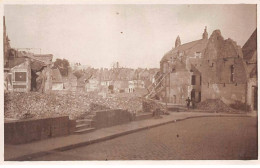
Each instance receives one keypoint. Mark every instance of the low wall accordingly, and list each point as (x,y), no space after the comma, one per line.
(23,131)
(143,116)
(108,118)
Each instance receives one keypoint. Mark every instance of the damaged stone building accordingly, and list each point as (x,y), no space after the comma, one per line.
(25,71)
(208,68)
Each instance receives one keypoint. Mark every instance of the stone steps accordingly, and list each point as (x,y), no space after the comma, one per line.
(84,121)
(85,130)
(84,126)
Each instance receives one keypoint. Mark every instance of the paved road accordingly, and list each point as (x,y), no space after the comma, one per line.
(199,138)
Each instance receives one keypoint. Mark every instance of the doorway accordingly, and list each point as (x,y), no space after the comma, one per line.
(192,94)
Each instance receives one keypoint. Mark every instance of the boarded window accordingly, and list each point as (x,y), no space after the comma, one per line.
(20,76)
(193,80)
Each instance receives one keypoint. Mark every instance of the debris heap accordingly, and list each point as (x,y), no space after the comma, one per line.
(216,105)
(38,105)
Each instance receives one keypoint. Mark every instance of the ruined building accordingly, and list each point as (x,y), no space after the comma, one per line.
(25,71)
(208,68)
(250,57)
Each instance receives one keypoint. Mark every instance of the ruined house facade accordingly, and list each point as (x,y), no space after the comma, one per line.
(208,68)
(25,71)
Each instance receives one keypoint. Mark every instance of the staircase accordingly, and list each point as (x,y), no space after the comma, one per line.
(156,87)
(84,126)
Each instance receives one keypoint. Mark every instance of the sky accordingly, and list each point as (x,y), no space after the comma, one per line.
(133,35)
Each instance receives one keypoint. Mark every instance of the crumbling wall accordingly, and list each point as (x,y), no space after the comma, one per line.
(217,83)
(228,93)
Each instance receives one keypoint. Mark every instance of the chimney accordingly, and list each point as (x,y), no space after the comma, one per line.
(177,42)
(205,34)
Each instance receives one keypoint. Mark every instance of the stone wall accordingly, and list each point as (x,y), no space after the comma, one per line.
(107,118)
(24,131)
(228,93)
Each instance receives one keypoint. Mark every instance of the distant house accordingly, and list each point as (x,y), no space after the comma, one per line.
(92,85)
(57,83)
(106,83)
(120,86)
(82,81)
(73,82)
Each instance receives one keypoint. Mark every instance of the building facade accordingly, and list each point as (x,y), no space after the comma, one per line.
(208,68)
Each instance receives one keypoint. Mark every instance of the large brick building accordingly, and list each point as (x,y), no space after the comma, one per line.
(208,68)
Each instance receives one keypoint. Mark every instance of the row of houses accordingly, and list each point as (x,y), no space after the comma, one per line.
(96,82)
(25,71)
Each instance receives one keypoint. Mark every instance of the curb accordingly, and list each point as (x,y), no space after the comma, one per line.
(73,146)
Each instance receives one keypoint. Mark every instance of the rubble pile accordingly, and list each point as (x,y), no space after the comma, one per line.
(38,105)
(152,105)
(215,105)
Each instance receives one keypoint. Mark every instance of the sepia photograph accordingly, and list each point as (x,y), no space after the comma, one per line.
(130,82)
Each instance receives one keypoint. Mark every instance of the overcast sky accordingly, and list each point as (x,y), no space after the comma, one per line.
(134,35)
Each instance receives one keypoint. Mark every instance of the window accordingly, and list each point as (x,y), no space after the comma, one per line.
(232,73)
(198,54)
(20,76)
(193,80)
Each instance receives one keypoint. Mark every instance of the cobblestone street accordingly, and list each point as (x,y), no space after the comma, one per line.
(200,138)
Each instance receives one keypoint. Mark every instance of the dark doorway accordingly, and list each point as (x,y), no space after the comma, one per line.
(33,80)
(192,94)
(193,80)
(199,97)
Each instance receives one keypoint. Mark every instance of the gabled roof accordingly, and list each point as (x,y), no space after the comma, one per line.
(47,58)
(44,58)
(188,48)
(56,76)
(250,46)
(14,62)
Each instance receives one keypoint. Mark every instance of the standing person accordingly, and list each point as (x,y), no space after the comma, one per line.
(193,103)
(188,102)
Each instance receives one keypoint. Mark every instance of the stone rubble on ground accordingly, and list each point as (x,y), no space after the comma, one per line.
(75,105)
(215,105)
